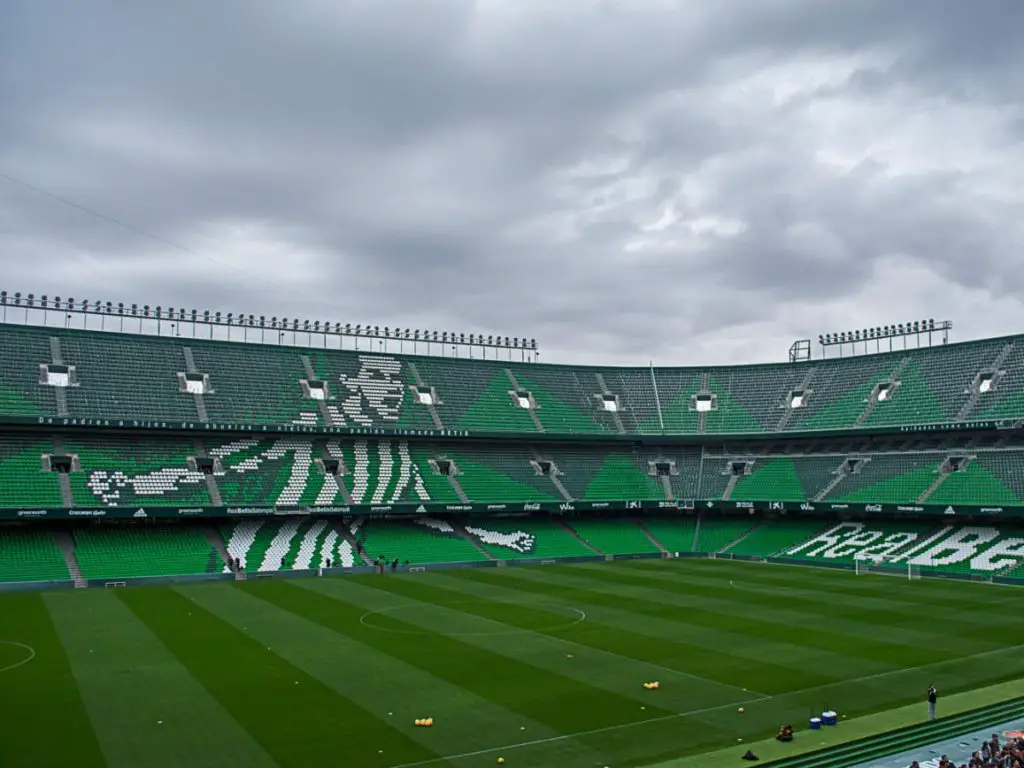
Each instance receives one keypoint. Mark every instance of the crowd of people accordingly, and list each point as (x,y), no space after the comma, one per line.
(992,754)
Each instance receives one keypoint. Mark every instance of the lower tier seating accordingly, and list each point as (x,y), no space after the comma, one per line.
(425,540)
(124,552)
(283,545)
(511,539)
(614,537)
(27,555)
(675,534)
(773,537)
(717,533)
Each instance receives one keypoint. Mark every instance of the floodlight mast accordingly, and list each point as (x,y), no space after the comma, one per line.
(29,309)
(883,338)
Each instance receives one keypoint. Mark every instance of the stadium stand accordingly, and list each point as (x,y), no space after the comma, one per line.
(122,470)
(135,376)
(125,552)
(615,536)
(213,399)
(29,555)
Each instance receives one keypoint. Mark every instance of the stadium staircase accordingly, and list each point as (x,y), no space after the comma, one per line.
(569,529)
(650,536)
(530,411)
(66,543)
(716,533)
(461,530)
(774,537)
(931,489)
(435,417)
(673,534)
(976,394)
(616,417)
(615,536)
(905,739)
(216,541)
(350,555)
(805,387)
(328,416)
(873,401)
(63,480)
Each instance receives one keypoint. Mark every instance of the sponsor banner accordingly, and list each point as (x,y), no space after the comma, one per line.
(405,433)
(484,508)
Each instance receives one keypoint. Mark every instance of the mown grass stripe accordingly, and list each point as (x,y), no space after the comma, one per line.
(765,674)
(882,605)
(390,689)
(297,719)
(543,694)
(653,658)
(709,653)
(625,733)
(768,622)
(39,692)
(710,608)
(146,708)
(939,593)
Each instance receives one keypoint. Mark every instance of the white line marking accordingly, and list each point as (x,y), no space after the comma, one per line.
(703,711)
(23,662)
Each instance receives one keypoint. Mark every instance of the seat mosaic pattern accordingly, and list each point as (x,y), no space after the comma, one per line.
(125,470)
(520,538)
(264,546)
(135,376)
(984,551)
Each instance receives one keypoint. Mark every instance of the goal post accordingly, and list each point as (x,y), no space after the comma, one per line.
(882,565)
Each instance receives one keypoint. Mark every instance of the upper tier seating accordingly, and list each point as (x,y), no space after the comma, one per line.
(133,376)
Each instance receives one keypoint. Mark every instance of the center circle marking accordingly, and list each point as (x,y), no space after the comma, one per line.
(31,655)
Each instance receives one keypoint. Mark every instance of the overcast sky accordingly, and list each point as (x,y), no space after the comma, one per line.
(688,182)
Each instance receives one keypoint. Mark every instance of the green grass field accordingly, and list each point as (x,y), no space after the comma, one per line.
(540,666)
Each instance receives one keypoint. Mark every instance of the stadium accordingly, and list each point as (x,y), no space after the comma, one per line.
(231,538)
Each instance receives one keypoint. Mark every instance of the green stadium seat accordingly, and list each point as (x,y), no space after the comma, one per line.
(614,536)
(30,555)
(135,376)
(125,552)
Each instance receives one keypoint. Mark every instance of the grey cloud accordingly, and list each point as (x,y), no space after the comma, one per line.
(421,161)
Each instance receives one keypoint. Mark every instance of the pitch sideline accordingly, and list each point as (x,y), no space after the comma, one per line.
(693,712)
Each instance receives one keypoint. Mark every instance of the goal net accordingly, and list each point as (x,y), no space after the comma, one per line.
(885,566)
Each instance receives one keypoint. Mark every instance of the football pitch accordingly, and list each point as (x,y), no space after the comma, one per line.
(540,666)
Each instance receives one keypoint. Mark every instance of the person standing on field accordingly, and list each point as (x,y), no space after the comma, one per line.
(933,698)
